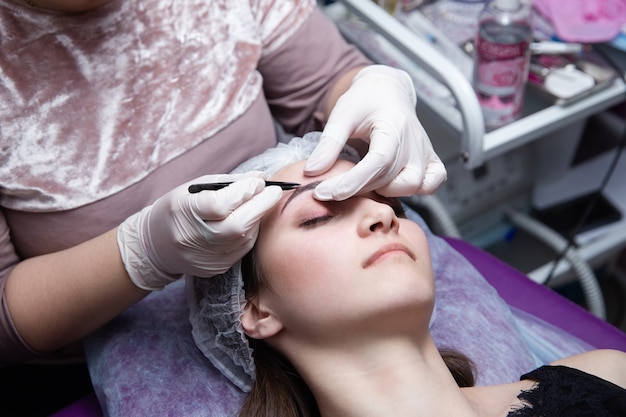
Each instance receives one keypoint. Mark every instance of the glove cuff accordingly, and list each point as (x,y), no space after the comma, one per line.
(397,75)
(143,273)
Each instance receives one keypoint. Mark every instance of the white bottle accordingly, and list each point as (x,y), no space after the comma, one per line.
(501,59)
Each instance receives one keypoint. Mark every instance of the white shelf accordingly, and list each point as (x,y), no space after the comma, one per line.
(461,110)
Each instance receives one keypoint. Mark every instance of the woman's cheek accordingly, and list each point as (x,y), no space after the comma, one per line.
(296,263)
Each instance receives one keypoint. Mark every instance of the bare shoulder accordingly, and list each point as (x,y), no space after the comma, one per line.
(607,364)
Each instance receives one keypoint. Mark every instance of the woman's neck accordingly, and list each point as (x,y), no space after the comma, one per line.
(397,377)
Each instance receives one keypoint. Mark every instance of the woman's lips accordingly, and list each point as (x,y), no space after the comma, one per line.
(385,249)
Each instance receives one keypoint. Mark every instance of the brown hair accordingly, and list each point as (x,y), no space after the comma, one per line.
(279,391)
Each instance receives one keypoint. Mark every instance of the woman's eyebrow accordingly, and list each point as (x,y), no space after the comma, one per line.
(300,190)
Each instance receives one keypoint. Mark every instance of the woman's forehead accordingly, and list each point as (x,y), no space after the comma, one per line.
(295,172)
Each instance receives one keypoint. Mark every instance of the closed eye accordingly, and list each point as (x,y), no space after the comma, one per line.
(398,210)
(316,221)
(394,203)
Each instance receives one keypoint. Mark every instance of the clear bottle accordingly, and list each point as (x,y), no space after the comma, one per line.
(501,59)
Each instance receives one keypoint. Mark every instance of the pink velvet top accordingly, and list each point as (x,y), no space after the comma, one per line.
(103,112)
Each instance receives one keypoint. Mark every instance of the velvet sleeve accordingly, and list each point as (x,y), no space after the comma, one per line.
(298,76)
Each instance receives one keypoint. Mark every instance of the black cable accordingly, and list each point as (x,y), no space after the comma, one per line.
(589,207)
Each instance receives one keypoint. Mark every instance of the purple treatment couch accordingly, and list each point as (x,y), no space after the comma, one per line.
(517,290)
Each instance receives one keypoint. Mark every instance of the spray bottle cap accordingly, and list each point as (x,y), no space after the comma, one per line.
(508,5)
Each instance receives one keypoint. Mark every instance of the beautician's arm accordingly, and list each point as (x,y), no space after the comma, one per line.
(58,298)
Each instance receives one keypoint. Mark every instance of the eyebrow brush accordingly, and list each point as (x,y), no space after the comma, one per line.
(214,186)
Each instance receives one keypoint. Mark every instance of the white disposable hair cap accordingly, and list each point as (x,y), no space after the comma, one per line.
(216,304)
(283,154)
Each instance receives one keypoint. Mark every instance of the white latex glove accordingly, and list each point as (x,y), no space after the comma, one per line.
(200,234)
(379,108)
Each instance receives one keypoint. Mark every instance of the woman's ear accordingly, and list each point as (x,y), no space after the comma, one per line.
(257,322)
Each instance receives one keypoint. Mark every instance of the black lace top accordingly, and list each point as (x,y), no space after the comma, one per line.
(563,391)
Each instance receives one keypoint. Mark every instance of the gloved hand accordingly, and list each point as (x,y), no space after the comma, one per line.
(201,234)
(379,108)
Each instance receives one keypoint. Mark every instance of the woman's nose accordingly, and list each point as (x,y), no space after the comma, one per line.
(377,218)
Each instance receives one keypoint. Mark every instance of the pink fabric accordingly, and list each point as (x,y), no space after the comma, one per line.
(588,21)
(103,112)
(149,78)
